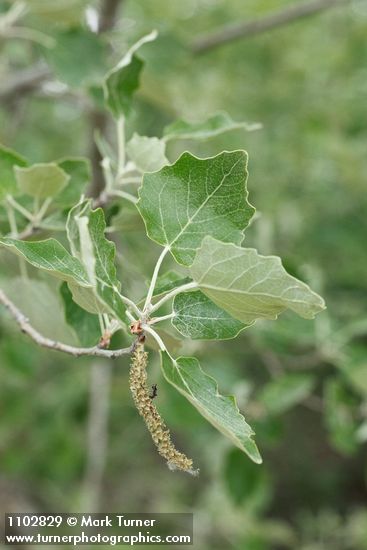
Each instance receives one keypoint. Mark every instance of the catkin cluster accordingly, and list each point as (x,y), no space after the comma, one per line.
(157,428)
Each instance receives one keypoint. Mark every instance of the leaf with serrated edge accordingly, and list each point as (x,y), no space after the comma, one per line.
(8,160)
(186,375)
(50,256)
(250,286)
(41,180)
(147,153)
(85,231)
(216,124)
(122,81)
(198,318)
(192,198)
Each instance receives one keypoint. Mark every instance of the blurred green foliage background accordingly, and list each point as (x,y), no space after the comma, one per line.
(70,437)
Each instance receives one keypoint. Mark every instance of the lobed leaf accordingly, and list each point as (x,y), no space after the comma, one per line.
(147,153)
(192,198)
(186,375)
(214,125)
(198,318)
(250,286)
(122,81)
(41,180)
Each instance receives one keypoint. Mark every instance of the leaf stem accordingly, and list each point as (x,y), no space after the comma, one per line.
(156,320)
(132,179)
(20,208)
(148,300)
(42,211)
(129,303)
(120,145)
(174,292)
(15,234)
(124,195)
(12,220)
(155,335)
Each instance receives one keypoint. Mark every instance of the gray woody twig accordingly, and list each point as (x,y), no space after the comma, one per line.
(246,29)
(41,340)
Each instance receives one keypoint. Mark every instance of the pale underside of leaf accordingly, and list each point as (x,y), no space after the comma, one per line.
(86,234)
(41,180)
(250,286)
(186,375)
(197,317)
(147,153)
(184,202)
(216,124)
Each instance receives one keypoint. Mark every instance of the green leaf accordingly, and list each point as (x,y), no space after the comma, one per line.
(242,478)
(8,160)
(340,416)
(201,390)
(68,12)
(79,170)
(198,318)
(85,231)
(123,80)
(79,45)
(353,364)
(284,392)
(41,180)
(250,286)
(147,153)
(192,198)
(214,125)
(85,325)
(50,256)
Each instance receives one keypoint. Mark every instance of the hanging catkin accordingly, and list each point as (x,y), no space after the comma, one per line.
(157,428)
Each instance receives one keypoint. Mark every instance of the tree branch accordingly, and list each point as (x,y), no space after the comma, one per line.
(41,340)
(23,82)
(276,19)
(99,119)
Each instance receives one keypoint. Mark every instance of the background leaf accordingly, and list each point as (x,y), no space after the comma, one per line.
(250,286)
(192,198)
(83,45)
(41,304)
(287,390)
(41,180)
(147,153)
(122,81)
(186,375)
(214,125)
